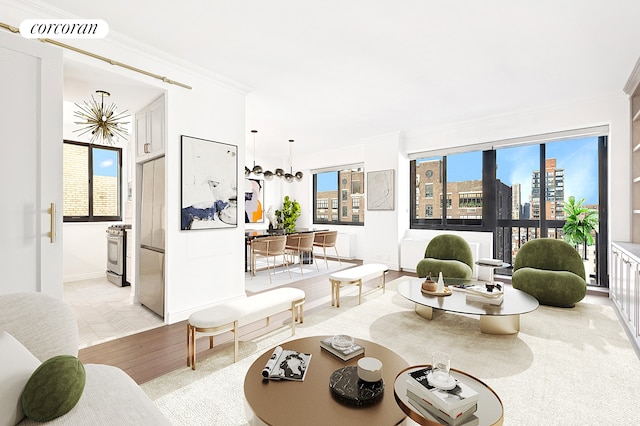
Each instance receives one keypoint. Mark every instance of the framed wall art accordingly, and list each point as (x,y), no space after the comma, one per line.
(253,201)
(380,190)
(209,197)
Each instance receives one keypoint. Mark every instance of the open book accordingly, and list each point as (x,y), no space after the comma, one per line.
(286,364)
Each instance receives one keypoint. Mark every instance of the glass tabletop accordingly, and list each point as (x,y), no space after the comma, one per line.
(515,301)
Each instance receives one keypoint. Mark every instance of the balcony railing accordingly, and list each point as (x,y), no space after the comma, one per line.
(511,237)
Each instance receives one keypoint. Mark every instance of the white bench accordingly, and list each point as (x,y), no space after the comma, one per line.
(231,315)
(355,276)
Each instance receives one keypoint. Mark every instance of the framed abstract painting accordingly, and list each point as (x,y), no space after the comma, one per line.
(209,184)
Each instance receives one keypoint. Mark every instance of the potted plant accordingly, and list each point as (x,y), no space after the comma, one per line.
(288,215)
(580,222)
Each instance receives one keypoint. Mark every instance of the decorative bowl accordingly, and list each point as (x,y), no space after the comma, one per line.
(429,285)
(342,342)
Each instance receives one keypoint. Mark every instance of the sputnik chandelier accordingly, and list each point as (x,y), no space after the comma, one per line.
(279,172)
(104,123)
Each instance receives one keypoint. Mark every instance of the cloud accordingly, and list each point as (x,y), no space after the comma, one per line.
(106,164)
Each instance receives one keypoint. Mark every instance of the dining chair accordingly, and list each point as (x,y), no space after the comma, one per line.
(269,247)
(298,244)
(326,239)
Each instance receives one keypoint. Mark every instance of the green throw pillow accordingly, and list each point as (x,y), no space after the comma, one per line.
(54,388)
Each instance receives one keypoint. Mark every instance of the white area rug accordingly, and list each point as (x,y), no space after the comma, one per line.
(565,367)
(280,276)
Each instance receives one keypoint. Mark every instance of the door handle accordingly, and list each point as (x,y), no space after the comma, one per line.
(52,227)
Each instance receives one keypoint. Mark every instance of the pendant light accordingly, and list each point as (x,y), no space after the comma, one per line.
(289,177)
(104,123)
(256,169)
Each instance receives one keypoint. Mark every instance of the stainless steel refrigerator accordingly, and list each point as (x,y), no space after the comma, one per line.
(151,267)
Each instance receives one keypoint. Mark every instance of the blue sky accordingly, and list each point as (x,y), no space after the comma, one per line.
(578,158)
(105,162)
(327,181)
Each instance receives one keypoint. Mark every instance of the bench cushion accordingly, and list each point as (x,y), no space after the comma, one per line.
(362,272)
(247,309)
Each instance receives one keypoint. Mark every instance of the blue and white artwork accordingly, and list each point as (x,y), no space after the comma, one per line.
(209,184)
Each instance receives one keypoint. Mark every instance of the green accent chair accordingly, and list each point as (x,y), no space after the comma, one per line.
(550,270)
(449,254)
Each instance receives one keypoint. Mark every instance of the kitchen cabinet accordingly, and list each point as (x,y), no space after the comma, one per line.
(624,287)
(150,130)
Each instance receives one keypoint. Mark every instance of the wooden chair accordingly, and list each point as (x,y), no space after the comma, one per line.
(269,247)
(326,239)
(298,244)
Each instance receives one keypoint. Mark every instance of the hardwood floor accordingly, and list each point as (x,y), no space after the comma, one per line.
(153,353)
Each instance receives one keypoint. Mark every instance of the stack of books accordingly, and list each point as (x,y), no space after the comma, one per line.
(455,407)
(480,294)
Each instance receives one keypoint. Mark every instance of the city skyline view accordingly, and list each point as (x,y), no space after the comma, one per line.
(578,158)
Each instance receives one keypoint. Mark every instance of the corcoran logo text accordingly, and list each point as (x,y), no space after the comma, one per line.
(64,28)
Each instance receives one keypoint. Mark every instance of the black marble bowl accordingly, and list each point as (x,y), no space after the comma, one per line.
(348,388)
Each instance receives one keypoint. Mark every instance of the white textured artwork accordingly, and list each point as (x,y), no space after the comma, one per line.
(380,190)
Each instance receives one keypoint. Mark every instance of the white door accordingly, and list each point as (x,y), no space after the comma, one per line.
(31,89)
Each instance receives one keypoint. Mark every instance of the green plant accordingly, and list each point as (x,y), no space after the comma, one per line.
(288,215)
(580,222)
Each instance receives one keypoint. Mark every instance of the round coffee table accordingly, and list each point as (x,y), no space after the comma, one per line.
(310,402)
(494,319)
(490,410)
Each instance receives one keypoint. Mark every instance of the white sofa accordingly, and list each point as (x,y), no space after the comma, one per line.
(47,327)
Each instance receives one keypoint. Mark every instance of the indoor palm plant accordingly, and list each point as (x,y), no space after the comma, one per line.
(580,222)
(288,215)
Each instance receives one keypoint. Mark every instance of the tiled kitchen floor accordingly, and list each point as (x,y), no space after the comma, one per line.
(106,312)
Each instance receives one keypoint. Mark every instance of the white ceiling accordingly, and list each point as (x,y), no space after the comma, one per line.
(329,73)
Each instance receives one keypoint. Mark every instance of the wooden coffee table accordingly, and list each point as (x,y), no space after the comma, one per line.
(311,402)
(490,410)
(494,319)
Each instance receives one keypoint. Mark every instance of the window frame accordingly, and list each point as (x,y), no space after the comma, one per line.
(445,222)
(343,200)
(91,217)
(490,202)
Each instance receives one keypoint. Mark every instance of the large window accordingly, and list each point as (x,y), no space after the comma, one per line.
(343,190)
(516,192)
(460,177)
(91,182)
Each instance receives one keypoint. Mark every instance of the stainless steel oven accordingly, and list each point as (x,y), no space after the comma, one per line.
(117,254)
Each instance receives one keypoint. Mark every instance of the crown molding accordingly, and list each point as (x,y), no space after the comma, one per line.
(135,48)
(634,80)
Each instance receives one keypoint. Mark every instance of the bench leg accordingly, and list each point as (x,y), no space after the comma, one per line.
(333,289)
(191,346)
(297,314)
(188,345)
(235,341)
(359,291)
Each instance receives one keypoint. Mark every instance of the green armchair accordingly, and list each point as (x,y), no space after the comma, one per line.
(449,254)
(551,271)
